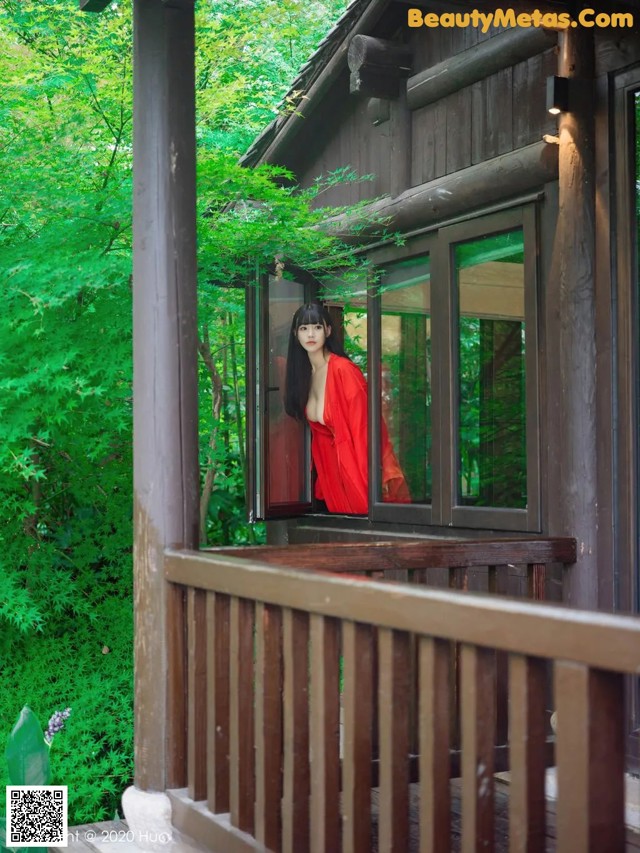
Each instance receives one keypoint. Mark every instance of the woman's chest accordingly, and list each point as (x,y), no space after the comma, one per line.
(317,396)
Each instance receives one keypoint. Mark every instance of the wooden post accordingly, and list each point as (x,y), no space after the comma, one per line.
(571,359)
(165,376)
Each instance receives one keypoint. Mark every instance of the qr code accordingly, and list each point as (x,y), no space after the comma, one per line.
(36,815)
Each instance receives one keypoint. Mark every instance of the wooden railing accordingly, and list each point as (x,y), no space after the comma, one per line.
(517,567)
(273,653)
(492,563)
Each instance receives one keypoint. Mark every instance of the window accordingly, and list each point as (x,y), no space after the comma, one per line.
(490,343)
(405,375)
(457,390)
(446,333)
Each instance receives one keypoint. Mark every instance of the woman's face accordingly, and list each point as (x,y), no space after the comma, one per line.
(312,336)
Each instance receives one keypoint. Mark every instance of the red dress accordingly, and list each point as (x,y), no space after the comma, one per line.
(339,446)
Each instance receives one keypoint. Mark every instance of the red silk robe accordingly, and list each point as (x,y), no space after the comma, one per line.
(339,446)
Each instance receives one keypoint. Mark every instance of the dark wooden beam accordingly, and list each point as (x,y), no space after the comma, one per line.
(166,481)
(93,5)
(501,178)
(377,66)
(571,357)
(476,63)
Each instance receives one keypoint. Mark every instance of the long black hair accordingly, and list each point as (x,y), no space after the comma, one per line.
(298,376)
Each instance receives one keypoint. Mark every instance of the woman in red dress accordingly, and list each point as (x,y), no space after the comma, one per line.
(328,390)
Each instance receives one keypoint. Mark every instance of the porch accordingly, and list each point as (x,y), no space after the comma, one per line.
(94,838)
(315,708)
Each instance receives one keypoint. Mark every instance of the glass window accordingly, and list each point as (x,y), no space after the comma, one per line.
(405,372)
(286,474)
(491,399)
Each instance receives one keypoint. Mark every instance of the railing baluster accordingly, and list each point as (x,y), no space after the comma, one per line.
(268,725)
(478,712)
(527,753)
(324,717)
(435,797)
(218,607)
(590,758)
(242,792)
(536,581)
(356,765)
(571,695)
(296,783)
(176,687)
(197,694)
(393,692)
(458,579)
(498,584)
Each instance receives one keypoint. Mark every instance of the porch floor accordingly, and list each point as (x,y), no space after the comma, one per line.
(112,836)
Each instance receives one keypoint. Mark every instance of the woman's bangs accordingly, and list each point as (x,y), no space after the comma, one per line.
(310,316)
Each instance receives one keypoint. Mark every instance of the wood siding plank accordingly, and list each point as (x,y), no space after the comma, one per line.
(459,125)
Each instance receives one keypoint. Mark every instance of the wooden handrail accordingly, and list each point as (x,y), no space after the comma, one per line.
(599,640)
(415,554)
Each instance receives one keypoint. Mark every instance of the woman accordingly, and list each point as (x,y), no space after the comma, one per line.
(326,388)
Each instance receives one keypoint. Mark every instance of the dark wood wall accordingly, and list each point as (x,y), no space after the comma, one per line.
(501,113)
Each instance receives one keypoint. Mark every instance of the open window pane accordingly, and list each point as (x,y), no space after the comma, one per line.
(491,417)
(405,382)
(287,478)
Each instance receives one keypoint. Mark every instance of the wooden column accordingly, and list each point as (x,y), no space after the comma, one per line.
(571,360)
(165,379)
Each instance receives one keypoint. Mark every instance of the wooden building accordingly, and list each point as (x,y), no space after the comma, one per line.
(501,333)
(502,349)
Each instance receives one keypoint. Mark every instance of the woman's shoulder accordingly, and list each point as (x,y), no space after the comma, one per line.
(342,364)
(345,369)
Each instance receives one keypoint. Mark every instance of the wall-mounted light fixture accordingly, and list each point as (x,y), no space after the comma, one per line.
(557,95)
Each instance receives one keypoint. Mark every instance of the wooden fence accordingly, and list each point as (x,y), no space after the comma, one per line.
(273,653)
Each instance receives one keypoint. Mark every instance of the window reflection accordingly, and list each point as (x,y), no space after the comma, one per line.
(491,423)
(286,437)
(406,369)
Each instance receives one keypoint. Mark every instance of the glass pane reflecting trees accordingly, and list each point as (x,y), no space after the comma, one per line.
(491,410)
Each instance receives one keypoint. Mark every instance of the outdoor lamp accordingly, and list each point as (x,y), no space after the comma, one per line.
(557,95)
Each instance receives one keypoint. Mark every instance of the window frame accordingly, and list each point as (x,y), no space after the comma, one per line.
(444,511)
(259,506)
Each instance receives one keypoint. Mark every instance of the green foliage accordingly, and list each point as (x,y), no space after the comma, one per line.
(65,338)
(89,669)
(248,54)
